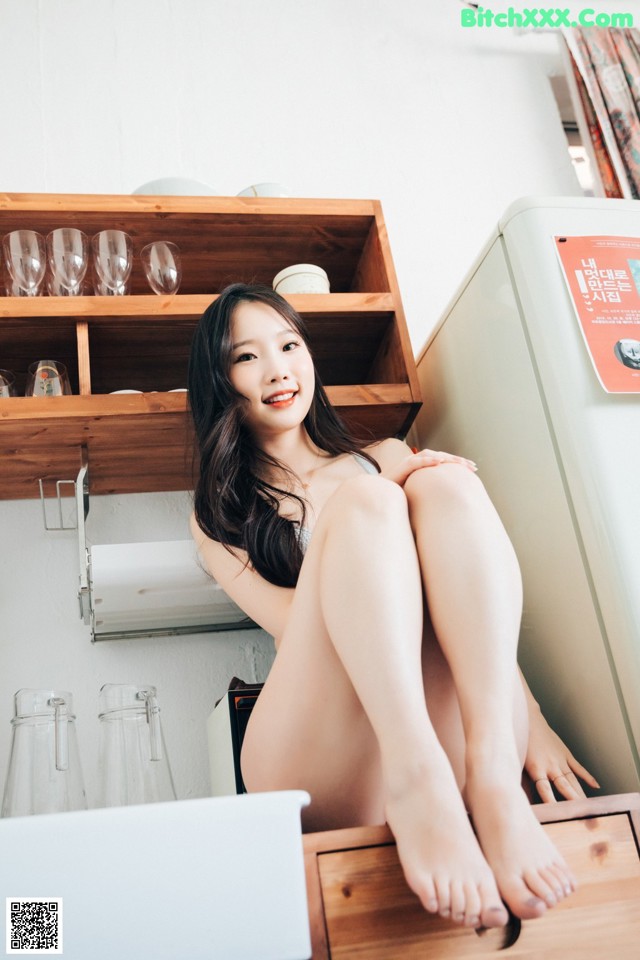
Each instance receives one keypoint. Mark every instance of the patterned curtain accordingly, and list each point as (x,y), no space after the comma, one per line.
(606,69)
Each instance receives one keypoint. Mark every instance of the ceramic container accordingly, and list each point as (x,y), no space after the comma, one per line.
(176,187)
(301,278)
(264,190)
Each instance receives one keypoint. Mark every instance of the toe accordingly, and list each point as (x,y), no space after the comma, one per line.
(473,905)
(524,901)
(443,893)
(563,878)
(493,912)
(458,901)
(425,890)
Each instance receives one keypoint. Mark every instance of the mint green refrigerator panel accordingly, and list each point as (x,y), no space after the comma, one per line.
(507,381)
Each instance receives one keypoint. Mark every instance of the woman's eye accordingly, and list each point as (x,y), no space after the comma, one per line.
(291,345)
(243,356)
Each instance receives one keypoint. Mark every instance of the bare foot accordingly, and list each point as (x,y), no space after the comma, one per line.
(531,874)
(439,853)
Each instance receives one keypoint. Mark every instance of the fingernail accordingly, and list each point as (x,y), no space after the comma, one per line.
(445,912)
(550,901)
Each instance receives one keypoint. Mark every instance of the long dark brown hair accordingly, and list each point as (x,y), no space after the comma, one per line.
(233,503)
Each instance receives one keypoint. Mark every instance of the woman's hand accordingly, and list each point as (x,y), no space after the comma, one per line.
(399,472)
(550,763)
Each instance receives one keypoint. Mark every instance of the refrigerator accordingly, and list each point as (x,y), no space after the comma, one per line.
(508,380)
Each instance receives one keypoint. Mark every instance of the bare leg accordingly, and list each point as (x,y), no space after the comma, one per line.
(343,711)
(473,589)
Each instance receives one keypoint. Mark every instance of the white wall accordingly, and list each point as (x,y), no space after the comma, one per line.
(334,98)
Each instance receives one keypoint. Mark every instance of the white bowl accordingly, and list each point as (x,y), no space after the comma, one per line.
(263,190)
(176,187)
(126,391)
(301,278)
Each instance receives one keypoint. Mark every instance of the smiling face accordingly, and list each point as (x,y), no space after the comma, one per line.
(271,368)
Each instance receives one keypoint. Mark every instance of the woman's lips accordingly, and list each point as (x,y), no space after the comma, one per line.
(283,399)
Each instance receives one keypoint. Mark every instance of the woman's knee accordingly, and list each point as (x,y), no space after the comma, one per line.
(375,497)
(451,481)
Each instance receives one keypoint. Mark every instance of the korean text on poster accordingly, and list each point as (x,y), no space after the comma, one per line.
(603,278)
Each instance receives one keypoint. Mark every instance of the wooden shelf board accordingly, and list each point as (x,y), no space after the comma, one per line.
(153,309)
(106,406)
(142,442)
(123,204)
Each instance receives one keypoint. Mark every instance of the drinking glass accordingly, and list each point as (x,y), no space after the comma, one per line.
(25,259)
(162,266)
(47,378)
(68,255)
(113,259)
(7,384)
(55,288)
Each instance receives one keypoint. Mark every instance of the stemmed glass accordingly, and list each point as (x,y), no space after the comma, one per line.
(162,266)
(24,256)
(7,384)
(47,378)
(68,255)
(113,259)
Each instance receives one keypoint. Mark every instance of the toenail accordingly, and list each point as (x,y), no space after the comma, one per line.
(550,901)
(432,905)
(458,916)
(535,902)
(445,912)
(474,920)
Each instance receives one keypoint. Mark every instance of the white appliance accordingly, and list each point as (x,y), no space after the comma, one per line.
(213,879)
(507,381)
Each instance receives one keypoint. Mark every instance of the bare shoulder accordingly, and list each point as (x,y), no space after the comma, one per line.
(215,556)
(266,604)
(389,452)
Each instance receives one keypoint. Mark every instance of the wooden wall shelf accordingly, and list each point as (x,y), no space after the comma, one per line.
(142,442)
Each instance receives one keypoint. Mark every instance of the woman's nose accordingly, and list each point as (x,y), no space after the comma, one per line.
(278,369)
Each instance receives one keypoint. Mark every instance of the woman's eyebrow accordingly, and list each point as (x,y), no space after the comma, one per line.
(286,331)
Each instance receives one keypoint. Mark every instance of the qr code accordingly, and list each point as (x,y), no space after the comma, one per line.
(34,926)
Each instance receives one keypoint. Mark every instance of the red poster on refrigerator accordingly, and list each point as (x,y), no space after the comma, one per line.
(603,278)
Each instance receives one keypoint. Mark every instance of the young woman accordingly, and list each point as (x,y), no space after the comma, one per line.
(394,597)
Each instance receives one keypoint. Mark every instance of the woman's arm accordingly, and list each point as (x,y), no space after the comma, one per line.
(549,762)
(264,602)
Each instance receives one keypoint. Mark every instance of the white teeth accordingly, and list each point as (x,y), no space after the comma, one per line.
(278,397)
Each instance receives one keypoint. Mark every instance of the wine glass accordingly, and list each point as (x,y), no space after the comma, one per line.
(68,255)
(7,384)
(24,256)
(55,288)
(113,259)
(47,378)
(162,266)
